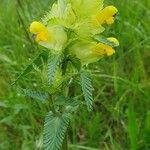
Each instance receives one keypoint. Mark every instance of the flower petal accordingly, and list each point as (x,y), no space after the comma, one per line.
(106,15)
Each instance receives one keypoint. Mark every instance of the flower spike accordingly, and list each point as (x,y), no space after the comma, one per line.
(78,22)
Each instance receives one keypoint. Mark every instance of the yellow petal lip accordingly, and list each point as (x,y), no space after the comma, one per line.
(106,15)
(110,51)
(110,20)
(102,49)
(36,27)
(40,31)
(114,40)
(111,10)
(42,36)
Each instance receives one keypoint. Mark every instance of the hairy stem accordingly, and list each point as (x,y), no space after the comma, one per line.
(65,91)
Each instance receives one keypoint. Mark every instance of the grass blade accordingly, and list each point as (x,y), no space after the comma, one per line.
(132,126)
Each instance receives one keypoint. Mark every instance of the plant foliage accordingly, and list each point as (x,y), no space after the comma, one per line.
(54,130)
(35,94)
(37,61)
(87,89)
(70,104)
(53,63)
(75,61)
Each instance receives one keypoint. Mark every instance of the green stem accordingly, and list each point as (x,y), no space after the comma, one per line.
(65,91)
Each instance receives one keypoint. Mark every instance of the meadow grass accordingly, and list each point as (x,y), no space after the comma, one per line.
(121,116)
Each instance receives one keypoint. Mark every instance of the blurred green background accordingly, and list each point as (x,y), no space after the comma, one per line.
(121,116)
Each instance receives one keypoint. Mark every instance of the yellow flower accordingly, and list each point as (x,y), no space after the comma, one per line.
(103,49)
(40,31)
(51,37)
(89,52)
(82,20)
(106,15)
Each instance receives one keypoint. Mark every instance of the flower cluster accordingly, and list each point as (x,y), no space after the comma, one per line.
(74,24)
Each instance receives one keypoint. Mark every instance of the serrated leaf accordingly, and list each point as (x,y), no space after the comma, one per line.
(70,104)
(53,63)
(55,128)
(87,89)
(35,94)
(37,61)
(105,41)
(76,62)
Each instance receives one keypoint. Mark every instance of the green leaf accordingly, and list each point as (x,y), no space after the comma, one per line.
(37,61)
(87,89)
(35,94)
(70,104)
(53,63)
(75,61)
(55,128)
(105,41)
(132,126)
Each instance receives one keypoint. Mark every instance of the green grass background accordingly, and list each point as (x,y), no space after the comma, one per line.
(121,116)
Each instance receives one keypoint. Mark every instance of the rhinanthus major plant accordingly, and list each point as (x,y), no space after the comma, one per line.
(71,32)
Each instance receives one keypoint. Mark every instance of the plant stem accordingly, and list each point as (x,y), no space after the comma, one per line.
(65,91)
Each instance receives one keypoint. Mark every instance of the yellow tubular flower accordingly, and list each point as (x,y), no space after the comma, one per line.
(106,15)
(40,31)
(102,49)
